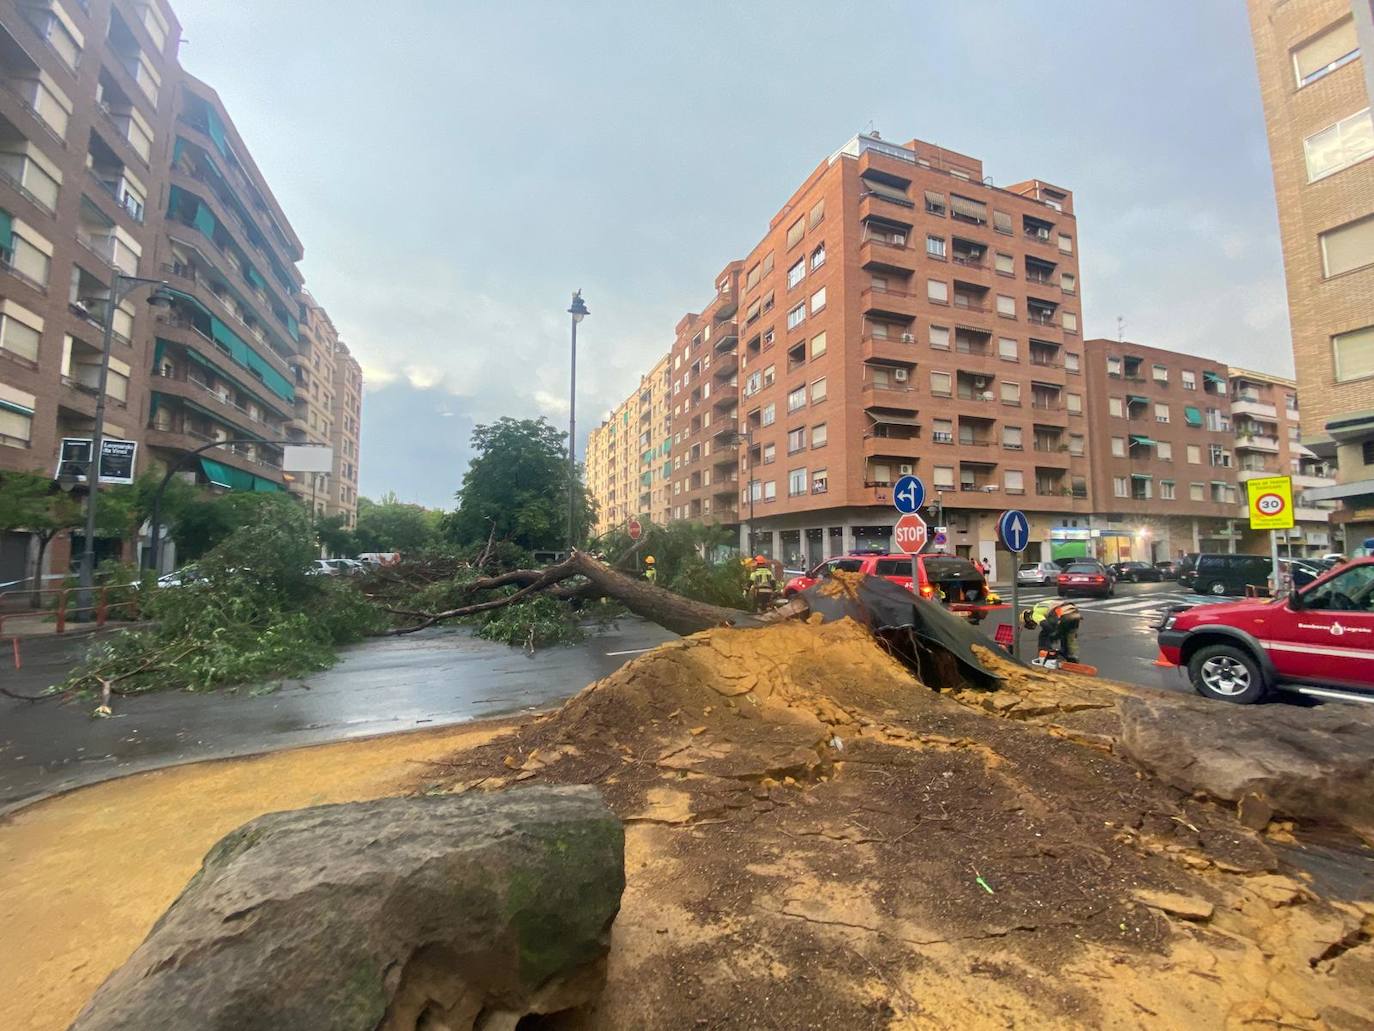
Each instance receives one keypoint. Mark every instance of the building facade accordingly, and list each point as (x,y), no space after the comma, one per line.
(1164,469)
(1268,428)
(346,421)
(628,456)
(1315,82)
(114,160)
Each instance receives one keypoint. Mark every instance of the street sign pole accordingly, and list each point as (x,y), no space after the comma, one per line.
(1013,530)
(908,495)
(1015,610)
(1274,559)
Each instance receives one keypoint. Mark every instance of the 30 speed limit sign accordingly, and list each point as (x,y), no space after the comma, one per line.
(1271,503)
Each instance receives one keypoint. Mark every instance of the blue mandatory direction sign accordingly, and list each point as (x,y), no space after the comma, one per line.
(909,494)
(1014,529)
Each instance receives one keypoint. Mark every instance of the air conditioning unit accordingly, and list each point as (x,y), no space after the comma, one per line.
(989,488)
(907,338)
(979,382)
(901,375)
(906,470)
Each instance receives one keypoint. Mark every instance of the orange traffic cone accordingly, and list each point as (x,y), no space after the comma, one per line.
(1162,662)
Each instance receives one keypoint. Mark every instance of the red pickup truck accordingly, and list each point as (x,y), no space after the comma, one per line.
(953,581)
(1318,640)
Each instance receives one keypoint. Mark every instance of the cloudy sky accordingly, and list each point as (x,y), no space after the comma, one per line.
(456,169)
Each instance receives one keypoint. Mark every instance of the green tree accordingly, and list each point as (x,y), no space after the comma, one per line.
(33,502)
(517,486)
(335,536)
(207,520)
(392,525)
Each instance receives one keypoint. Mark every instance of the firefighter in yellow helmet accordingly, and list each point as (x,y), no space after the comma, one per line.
(763,585)
(1058,622)
(650,569)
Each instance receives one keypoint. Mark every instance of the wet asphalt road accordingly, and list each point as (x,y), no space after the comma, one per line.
(437,677)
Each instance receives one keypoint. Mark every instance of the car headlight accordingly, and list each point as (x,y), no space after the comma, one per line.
(1169,621)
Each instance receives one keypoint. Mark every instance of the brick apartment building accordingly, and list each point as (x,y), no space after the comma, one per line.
(628,455)
(328,409)
(1317,82)
(900,315)
(346,433)
(112,158)
(1265,418)
(1164,470)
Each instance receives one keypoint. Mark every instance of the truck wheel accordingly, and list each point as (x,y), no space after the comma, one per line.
(1226,673)
(1218,588)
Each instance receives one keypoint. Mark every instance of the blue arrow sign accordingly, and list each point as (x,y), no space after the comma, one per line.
(909,494)
(1014,529)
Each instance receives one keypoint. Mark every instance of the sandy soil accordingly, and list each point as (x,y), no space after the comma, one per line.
(84,875)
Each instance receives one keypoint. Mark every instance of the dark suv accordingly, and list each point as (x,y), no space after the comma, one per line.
(1221,574)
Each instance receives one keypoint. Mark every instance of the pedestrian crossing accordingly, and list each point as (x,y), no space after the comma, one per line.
(1136,606)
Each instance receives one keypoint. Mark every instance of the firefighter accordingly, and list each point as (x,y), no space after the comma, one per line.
(762,584)
(650,571)
(1058,622)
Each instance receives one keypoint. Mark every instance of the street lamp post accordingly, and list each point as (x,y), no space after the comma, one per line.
(747,439)
(120,287)
(578,311)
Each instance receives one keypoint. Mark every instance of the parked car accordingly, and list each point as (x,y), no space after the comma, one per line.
(1086,576)
(955,582)
(1136,572)
(1168,569)
(1221,574)
(1312,640)
(1042,573)
(322,567)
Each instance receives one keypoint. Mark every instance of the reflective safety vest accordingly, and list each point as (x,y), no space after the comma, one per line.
(762,577)
(1061,610)
(651,574)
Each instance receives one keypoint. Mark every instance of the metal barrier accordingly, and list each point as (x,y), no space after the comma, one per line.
(63,608)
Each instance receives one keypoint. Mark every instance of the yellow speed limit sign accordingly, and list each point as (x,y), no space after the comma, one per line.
(1271,503)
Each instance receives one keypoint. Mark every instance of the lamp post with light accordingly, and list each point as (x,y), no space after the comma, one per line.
(578,311)
(120,287)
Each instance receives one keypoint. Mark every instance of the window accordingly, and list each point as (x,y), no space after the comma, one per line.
(1113,366)
(1075,443)
(1011,393)
(1006,305)
(1197,491)
(768,263)
(770,490)
(1161,412)
(796,316)
(935,203)
(943,476)
(796,440)
(939,337)
(31,169)
(1011,438)
(1066,243)
(817,256)
(770,453)
(1161,373)
(1070,322)
(796,482)
(818,216)
(1114,408)
(937,291)
(1218,456)
(1118,447)
(1367,452)
(1164,451)
(1005,264)
(16,421)
(1014,481)
(1068,282)
(753,313)
(941,384)
(30,254)
(1070,361)
(795,232)
(752,280)
(819,435)
(819,482)
(818,300)
(818,390)
(1194,454)
(942,431)
(1324,53)
(1339,146)
(880,472)
(796,273)
(1119,487)
(966,209)
(1166,490)
(20,331)
(769,415)
(935,246)
(1188,379)
(1074,403)
(796,398)
(52,106)
(1001,221)
(1006,348)
(1354,354)
(817,346)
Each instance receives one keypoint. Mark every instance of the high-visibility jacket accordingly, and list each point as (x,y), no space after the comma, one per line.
(762,576)
(651,574)
(1064,611)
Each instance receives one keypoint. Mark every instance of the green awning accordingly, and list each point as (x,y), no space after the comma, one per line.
(293,327)
(255,277)
(1136,399)
(217,473)
(1192,416)
(227,476)
(10,406)
(1141,476)
(1142,441)
(6,229)
(216,130)
(1215,378)
(242,353)
(189,299)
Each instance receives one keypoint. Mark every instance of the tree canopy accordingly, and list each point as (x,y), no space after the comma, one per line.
(517,486)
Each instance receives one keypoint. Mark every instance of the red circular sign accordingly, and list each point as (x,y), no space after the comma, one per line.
(910,533)
(1270,504)
(636,529)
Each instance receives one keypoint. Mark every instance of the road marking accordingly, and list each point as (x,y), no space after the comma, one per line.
(633,651)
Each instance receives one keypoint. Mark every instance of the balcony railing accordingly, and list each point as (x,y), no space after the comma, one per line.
(969,260)
(968,303)
(1041,318)
(1047,361)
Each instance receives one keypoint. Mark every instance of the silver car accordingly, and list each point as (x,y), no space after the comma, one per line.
(1041,573)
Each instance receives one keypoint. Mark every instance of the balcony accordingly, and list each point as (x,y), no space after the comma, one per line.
(887,206)
(1242,405)
(1257,442)
(725,366)
(886,253)
(899,350)
(889,394)
(1041,317)
(724,336)
(888,302)
(1304,481)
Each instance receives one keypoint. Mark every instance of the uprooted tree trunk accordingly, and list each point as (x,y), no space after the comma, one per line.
(670,611)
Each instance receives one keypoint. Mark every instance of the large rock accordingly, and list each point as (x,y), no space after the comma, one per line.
(1315,765)
(403,913)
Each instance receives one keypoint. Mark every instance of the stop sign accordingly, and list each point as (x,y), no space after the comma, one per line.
(636,529)
(910,533)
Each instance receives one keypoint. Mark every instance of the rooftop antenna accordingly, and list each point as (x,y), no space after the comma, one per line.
(1120,330)
(873,131)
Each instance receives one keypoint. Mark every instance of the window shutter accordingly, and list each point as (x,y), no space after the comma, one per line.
(973,209)
(1347,247)
(1354,354)
(1318,54)
(1001,221)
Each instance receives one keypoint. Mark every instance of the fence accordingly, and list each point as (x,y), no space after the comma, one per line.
(64,608)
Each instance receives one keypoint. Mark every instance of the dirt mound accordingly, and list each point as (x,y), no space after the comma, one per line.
(818,840)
